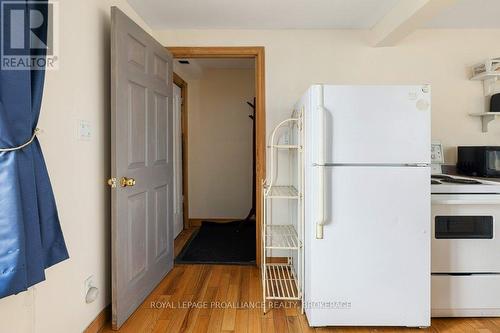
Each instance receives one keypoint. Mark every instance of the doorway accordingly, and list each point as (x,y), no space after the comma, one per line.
(256,56)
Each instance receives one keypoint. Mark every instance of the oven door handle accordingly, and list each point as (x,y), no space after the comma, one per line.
(466,199)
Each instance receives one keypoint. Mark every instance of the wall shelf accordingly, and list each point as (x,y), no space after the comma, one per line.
(488,72)
(486,118)
(486,76)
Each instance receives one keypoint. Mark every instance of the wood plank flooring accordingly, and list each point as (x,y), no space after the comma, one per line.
(181,303)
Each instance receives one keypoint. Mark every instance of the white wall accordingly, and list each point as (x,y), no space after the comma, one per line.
(78,170)
(296,59)
(220,143)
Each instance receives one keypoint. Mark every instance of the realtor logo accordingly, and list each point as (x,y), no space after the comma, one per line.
(29,37)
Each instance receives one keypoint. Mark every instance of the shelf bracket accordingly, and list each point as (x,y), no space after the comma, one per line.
(485,120)
(489,86)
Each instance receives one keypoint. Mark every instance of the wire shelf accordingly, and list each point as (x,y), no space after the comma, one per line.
(284,192)
(282,237)
(285,146)
(280,282)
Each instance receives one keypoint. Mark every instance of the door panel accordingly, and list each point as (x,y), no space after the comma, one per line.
(161,214)
(137,123)
(160,69)
(137,231)
(141,139)
(161,126)
(136,53)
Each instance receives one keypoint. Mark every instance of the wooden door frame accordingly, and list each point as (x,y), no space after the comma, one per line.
(257,53)
(178,81)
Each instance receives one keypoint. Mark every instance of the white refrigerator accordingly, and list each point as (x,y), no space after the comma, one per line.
(367,205)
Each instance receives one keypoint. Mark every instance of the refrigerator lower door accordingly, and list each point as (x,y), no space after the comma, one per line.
(372,268)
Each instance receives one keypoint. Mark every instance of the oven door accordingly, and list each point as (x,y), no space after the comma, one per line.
(465,237)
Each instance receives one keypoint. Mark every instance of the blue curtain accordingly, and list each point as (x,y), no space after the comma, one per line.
(30,234)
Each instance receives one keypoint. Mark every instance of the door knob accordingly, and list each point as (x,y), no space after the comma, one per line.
(112,182)
(124,182)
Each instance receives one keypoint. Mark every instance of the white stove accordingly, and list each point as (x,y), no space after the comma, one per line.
(465,246)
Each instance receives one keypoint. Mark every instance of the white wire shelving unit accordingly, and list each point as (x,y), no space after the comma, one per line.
(282,241)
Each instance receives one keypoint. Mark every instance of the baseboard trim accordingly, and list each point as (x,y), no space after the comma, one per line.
(98,323)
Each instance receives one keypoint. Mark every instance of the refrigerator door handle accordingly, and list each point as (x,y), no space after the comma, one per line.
(321,163)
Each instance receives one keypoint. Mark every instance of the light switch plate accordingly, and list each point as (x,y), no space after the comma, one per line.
(84,130)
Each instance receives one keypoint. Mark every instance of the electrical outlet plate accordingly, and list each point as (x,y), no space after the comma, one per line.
(89,282)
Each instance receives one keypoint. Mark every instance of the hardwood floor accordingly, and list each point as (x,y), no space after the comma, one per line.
(181,303)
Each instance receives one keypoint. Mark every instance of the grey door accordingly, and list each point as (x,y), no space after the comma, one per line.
(141,163)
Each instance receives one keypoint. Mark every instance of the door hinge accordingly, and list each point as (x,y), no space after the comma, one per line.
(112,182)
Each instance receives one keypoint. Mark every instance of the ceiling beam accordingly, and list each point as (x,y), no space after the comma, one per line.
(404,18)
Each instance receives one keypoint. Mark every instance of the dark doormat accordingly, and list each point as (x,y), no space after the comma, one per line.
(221,243)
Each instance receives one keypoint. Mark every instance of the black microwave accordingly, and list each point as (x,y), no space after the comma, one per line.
(480,161)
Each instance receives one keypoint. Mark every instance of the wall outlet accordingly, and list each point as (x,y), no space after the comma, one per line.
(84,130)
(89,283)
(91,291)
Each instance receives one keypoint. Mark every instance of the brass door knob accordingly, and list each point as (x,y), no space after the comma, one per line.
(124,182)
(112,182)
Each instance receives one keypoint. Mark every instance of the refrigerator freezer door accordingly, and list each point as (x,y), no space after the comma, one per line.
(372,268)
(373,124)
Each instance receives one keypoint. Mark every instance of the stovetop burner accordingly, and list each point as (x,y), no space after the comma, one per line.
(460,181)
(440,176)
(452,180)
(443,184)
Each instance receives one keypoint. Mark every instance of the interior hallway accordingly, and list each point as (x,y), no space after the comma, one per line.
(241,284)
